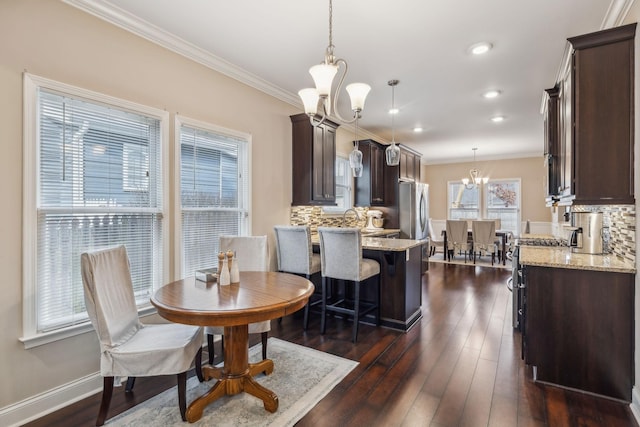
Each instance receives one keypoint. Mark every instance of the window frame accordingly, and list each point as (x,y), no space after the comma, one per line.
(179,121)
(478,209)
(518,205)
(339,210)
(31,181)
(483,199)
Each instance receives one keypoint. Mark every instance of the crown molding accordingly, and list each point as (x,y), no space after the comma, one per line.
(616,13)
(120,18)
(114,15)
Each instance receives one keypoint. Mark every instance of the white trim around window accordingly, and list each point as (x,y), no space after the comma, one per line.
(31,151)
(244,195)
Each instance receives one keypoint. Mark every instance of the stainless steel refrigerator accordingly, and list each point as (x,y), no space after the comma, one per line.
(413,210)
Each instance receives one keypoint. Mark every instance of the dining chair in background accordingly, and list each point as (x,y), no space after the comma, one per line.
(129,348)
(436,240)
(341,259)
(457,237)
(295,255)
(252,254)
(484,239)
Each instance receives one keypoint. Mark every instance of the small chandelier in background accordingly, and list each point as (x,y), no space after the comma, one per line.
(476,178)
(323,75)
(393,151)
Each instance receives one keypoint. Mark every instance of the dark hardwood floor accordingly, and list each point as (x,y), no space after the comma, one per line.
(458,366)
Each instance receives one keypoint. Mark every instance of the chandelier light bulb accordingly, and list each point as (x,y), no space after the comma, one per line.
(358,93)
(474,173)
(310,100)
(323,75)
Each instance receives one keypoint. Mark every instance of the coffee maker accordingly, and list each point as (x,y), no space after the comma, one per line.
(587,232)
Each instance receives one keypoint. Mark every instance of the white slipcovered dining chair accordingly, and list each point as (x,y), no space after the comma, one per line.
(484,238)
(252,254)
(129,348)
(436,240)
(341,259)
(457,237)
(295,255)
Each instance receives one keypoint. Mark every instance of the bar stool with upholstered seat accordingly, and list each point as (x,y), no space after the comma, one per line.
(295,255)
(341,258)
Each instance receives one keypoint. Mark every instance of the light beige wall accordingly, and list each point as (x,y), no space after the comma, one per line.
(529,170)
(56,41)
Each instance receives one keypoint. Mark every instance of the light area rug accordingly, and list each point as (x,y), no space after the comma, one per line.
(301,378)
(484,261)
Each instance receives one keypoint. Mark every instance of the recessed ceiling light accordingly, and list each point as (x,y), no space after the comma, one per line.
(480,48)
(417,129)
(497,119)
(491,94)
(393,111)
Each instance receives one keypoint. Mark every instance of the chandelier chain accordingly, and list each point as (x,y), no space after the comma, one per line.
(330,47)
(393,113)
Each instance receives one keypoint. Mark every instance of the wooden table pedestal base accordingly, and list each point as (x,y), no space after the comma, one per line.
(236,376)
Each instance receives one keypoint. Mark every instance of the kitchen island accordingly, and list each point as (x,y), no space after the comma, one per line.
(400,278)
(578,320)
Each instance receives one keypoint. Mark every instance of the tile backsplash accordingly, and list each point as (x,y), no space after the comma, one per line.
(621,222)
(315,217)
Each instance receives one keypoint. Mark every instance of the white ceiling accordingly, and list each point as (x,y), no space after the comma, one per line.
(271,45)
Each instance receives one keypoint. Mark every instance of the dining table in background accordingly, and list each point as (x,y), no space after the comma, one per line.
(259,296)
(502,234)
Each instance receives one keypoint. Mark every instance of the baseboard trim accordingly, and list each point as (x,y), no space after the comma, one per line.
(44,403)
(635,403)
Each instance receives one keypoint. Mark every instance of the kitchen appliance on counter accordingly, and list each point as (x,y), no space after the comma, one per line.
(374,220)
(587,232)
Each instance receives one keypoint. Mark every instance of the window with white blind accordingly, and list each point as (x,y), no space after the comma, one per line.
(503,203)
(213,190)
(463,202)
(343,179)
(497,199)
(93,179)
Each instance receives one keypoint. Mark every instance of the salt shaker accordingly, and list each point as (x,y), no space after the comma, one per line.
(234,272)
(223,275)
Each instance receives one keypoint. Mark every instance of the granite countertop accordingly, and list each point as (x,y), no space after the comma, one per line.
(372,241)
(394,245)
(379,233)
(562,257)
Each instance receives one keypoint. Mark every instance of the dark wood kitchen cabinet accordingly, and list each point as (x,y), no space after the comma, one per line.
(579,329)
(407,170)
(370,186)
(601,118)
(313,162)
(409,167)
(552,145)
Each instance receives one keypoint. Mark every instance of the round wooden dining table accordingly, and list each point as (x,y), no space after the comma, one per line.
(259,296)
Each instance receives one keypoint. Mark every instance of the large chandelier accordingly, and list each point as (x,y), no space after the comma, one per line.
(323,75)
(393,151)
(476,178)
